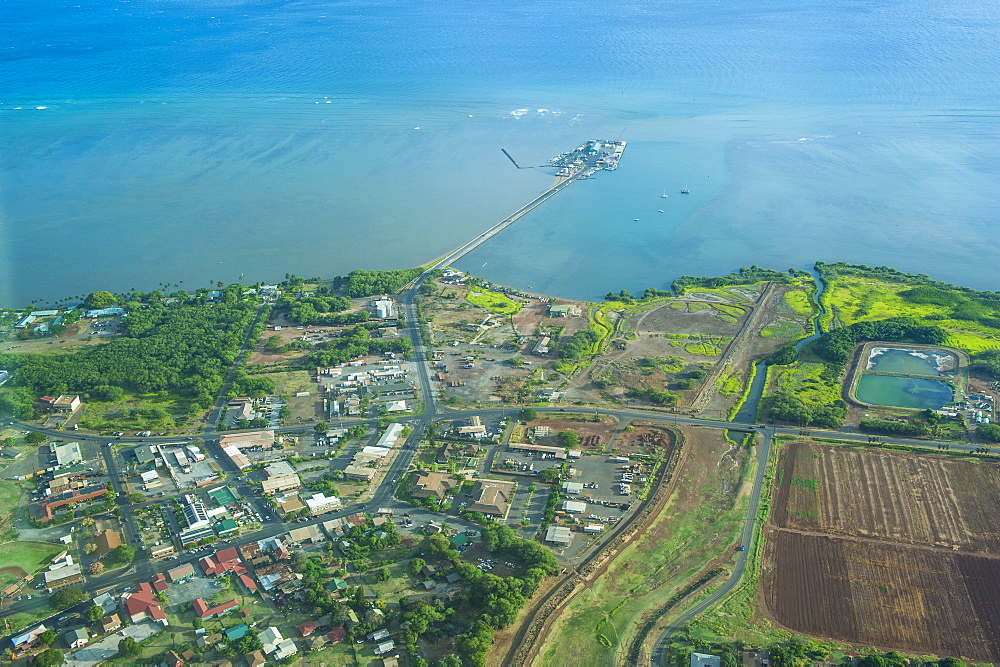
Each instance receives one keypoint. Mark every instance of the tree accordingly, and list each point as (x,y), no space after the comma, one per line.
(197,623)
(383,574)
(568,439)
(50,657)
(549,475)
(128,647)
(123,554)
(321,427)
(98,300)
(416,566)
(527,414)
(35,437)
(94,613)
(96,568)
(988,432)
(135,498)
(66,597)
(48,637)
(89,548)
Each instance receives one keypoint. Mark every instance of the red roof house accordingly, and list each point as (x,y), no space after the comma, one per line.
(227,560)
(142,604)
(337,634)
(307,628)
(204,612)
(248,583)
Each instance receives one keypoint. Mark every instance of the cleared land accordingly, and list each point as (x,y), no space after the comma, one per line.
(691,530)
(886,548)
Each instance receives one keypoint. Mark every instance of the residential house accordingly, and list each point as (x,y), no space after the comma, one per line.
(255,659)
(433,485)
(307,628)
(491,498)
(204,612)
(110,623)
(76,638)
(181,572)
(336,635)
(270,638)
(226,560)
(171,659)
(142,604)
(107,540)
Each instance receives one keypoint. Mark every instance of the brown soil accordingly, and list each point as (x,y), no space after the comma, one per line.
(593,435)
(914,565)
(14,571)
(644,439)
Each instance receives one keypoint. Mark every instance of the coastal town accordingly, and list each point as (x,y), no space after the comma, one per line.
(375,467)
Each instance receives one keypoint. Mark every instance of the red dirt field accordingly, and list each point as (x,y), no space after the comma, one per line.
(884,548)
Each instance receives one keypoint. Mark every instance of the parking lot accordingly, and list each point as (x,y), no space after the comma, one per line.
(107,647)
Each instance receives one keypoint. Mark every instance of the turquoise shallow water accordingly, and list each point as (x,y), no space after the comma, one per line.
(903,392)
(902,361)
(158,141)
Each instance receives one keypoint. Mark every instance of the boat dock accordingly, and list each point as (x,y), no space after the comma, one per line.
(579,163)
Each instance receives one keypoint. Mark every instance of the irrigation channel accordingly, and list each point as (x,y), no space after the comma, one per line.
(748,412)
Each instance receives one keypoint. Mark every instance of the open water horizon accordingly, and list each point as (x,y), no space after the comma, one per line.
(159,141)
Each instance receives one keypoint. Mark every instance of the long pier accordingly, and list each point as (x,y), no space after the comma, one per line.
(471,245)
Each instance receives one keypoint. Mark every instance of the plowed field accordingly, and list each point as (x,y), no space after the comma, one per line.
(888,549)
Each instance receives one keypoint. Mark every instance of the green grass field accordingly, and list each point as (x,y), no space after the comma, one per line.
(799,302)
(28,555)
(10,496)
(804,381)
(492,301)
(855,298)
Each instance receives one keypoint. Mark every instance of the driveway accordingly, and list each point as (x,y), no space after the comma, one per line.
(107,647)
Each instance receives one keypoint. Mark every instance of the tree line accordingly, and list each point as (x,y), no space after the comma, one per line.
(184,349)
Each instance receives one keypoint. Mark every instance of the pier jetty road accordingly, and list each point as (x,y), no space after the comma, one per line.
(469,246)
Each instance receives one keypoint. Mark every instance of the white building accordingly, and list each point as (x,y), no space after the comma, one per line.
(384,308)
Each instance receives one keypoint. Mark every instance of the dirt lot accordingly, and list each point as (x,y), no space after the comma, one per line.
(594,435)
(903,550)
(644,438)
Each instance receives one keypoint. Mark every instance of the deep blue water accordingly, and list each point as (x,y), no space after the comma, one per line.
(149,141)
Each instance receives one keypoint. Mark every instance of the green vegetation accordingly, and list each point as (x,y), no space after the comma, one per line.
(26,554)
(988,432)
(986,362)
(99,300)
(182,349)
(354,343)
(836,346)
(881,427)
(321,310)
(745,276)
(581,344)
(370,283)
(798,302)
(859,293)
(66,597)
(807,394)
(492,301)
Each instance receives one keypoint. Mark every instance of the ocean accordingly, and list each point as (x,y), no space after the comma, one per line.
(150,143)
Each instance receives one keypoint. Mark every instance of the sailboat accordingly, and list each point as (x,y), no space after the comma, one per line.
(664,195)
(685,191)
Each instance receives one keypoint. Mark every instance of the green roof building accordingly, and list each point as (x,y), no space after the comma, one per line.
(226,527)
(336,585)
